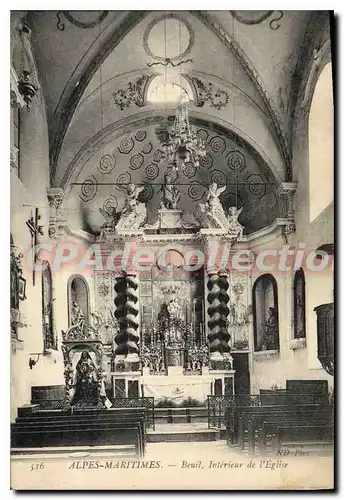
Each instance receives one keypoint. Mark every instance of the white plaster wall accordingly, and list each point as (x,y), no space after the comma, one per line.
(27,193)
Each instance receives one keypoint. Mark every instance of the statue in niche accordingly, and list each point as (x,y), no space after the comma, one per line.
(171,322)
(85,382)
(170,193)
(77,314)
(270,339)
(134,212)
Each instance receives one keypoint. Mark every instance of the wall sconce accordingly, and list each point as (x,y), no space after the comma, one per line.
(33,362)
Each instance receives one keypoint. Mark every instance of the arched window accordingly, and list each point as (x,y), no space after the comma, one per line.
(49,337)
(299,305)
(78,297)
(321,149)
(171,89)
(265,313)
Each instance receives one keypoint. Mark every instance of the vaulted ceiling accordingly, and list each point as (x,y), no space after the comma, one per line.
(242,68)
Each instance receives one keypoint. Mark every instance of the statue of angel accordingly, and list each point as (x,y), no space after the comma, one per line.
(134,212)
(131,201)
(111,218)
(212,210)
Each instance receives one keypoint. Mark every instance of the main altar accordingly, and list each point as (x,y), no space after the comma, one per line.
(164,326)
(172,337)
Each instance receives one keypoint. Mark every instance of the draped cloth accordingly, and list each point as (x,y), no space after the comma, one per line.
(177,388)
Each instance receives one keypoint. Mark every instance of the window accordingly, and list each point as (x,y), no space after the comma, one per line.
(265,314)
(172,89)
(15,138)
(49,338)
(78,298)
(321,149)
(299,305)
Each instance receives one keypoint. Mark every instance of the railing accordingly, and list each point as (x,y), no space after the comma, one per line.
(147,403)
(217,405)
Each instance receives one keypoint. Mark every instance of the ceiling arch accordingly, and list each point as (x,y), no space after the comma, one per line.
(133,154)
(107,41)
(157,116)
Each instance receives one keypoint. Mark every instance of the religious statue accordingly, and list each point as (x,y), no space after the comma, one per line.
(212,212)
(214,216)
(235,227)
(111,217)
(270,339)
(132,216)
(85,382)
(77,314)
(134,212)
(170,193)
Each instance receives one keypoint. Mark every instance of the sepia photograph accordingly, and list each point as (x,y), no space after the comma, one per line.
(172,250)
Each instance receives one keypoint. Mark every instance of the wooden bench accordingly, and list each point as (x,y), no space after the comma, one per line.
(261,433)
(26,430)
(117,434)
(233,416)
(253,422)
(288,435)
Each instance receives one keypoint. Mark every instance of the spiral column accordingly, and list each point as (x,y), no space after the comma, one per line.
(224,312)
(127,311)
(132,313)
(214,314)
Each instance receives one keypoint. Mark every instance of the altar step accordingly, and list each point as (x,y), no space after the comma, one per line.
(181,415)
(182,433)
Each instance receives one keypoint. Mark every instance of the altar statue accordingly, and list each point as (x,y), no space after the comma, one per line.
(134,212)
(111,217)
(234,225)
(85,382)
(212,212)
(170,193)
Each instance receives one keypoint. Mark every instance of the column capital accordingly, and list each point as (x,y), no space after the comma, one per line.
(287,188)
(55,196)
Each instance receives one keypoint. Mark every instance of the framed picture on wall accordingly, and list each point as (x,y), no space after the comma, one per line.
(22,288)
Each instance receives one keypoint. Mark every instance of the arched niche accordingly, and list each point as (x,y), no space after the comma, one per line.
(321,144)
(78,291)
(299,305)
(265,313)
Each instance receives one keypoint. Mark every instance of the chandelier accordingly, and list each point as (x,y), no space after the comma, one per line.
(182,145)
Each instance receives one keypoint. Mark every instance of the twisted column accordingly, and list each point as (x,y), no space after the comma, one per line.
(126,313)
(214,313)
(218,312)
(224,312)
(132,312)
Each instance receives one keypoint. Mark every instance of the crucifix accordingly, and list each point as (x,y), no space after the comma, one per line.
(35,229)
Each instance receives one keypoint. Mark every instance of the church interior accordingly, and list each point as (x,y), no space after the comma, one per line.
(162,164)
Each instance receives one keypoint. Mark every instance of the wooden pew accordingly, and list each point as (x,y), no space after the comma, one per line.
(262,433)
(93,436)
(254,422)
(289,435)
(84,421)
(238,422)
